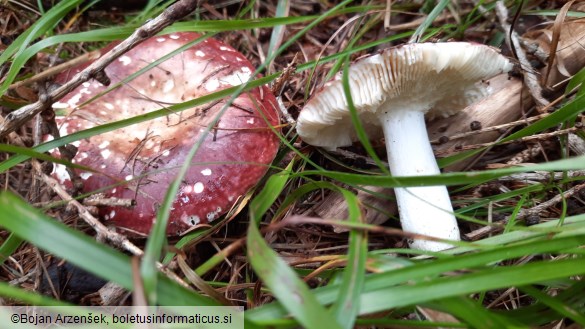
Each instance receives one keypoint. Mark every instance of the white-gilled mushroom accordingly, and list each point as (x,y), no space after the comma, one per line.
(395,89)
(230,160)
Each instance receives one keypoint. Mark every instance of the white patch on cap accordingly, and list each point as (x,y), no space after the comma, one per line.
(199,53)
(206,172)
(109,106)
(59,105)
(250,121)
(213,214)
(85,91)
(187,189)
(169,85)
(190,219)
(103,166)
(82,156)
(76,143)
(114,190)
(223,57)
(160,39)
(125,60)
(239,59)
(174,36)
(85,175)
(60,171)
(149,144)
(236,78)
(230,198)
(153,83)
(86,84)
(129,177)
(63,129)
(105,154)
(166,153)
(103,112)
(198,187)
(112,214)
(212,85)
(185,199)
(74,100)
(104,144)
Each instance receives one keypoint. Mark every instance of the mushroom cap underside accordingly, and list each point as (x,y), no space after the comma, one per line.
(140,161)
(437,78)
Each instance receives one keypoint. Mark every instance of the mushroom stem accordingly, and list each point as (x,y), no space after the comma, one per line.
(423,210)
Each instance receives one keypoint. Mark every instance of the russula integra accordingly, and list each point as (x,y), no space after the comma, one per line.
(392,91)
(231,159)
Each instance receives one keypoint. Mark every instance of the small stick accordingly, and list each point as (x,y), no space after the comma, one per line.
(57,69)
(542,176)
(100,200)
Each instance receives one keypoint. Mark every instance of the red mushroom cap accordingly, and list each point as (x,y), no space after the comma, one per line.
(230,160)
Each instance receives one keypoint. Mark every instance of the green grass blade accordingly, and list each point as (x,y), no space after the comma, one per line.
(555,304)
(9,246)
(9,291)
(359,128)
(460,178)
(484,280)
(473,313)
(352,281)
(420,30)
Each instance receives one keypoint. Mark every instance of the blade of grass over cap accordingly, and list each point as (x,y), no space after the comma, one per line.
(157,234)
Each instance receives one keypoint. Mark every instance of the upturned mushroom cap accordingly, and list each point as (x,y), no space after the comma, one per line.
(443,78)
(230,160)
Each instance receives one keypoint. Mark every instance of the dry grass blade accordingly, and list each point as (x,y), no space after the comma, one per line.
(198,282)
(558,25)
